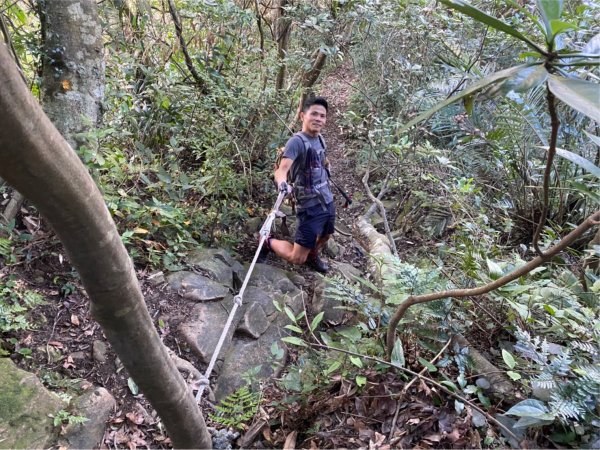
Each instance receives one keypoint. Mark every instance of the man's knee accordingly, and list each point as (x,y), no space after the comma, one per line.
(298,258)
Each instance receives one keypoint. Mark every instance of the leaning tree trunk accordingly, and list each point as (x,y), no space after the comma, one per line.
(37,161)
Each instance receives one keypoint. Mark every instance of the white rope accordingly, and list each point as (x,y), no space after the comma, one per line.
(238,299)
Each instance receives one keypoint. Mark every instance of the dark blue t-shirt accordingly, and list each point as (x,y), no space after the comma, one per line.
(293,148)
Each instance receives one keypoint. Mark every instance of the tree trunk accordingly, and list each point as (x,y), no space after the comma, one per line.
(73,66)
(36,160)
(283,29)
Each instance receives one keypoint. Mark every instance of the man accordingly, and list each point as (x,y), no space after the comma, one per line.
(304,158)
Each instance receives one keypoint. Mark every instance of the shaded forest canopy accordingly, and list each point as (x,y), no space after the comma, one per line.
(468,134)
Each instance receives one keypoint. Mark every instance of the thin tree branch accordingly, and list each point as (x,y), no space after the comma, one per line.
(386,224)
(551,152)
(188,60)
(588,223)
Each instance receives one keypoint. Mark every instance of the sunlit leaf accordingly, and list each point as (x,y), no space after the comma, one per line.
(133,387)
(486,19)
(361,380)
(508,359)
(595,139)
(526,79)
(593,46)
(528,408)
(494,269)
(430,367)
(585,164)
(316,321)
(294,341)
(475,87)
(583,96)
(559,26)
(398,354)
(356,361)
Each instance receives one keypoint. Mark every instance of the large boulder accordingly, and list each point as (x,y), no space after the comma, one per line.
(96,405)
(257,324)
(198,288)
(25,409)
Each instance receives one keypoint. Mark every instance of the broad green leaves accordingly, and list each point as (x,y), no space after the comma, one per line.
(486,19)
(578,94)
(550,10)
(579,160)
(474,88)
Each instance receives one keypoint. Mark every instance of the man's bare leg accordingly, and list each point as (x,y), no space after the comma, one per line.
(321,241)
(292,253)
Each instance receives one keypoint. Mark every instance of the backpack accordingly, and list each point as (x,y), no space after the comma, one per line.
(299,192)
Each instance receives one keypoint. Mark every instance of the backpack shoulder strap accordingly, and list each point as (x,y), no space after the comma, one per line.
(304,140)
(322,141)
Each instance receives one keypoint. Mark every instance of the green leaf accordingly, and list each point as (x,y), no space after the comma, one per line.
(398,354)
(526,79)
(578,94)
(316,321)
(550,10)
(527,421)
(515,376)
(132,386)
(290,314)
(475,87)
(585,164)
(595,139)
(294,328)
(430,367)
(486,19)
(494,269)
(361,380)
(356,361)
(559,26)
(333,367)
(294,341)
(593,46)
(528,408)
(351,333)
(508,359)
(450,385)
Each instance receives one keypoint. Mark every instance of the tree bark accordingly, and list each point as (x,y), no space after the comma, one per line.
(72,67)
(36,160)
(283,29)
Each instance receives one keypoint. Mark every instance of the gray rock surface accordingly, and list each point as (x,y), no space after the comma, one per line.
(213,264)
(331,307)
(197,288)
(257,323)
(99,349)
(203,327)
(25,406)
(96,405)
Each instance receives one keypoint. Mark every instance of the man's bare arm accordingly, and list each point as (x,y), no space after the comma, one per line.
(281,173)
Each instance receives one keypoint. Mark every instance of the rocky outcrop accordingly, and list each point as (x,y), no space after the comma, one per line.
(95,405)
(257,324)
(25,409)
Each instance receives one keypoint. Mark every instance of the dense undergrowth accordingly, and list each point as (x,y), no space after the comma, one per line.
(182,165)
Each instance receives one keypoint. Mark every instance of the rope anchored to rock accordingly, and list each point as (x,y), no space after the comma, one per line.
(203,383)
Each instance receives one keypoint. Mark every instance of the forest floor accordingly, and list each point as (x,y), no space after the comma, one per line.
(374,418)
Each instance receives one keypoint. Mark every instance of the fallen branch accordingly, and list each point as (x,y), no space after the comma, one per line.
(588,223)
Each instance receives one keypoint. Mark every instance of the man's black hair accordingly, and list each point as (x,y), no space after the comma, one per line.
(314,101)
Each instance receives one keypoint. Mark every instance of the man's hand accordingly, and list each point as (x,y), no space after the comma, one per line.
(285,188)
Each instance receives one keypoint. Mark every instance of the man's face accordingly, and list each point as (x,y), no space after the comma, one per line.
(313,119)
